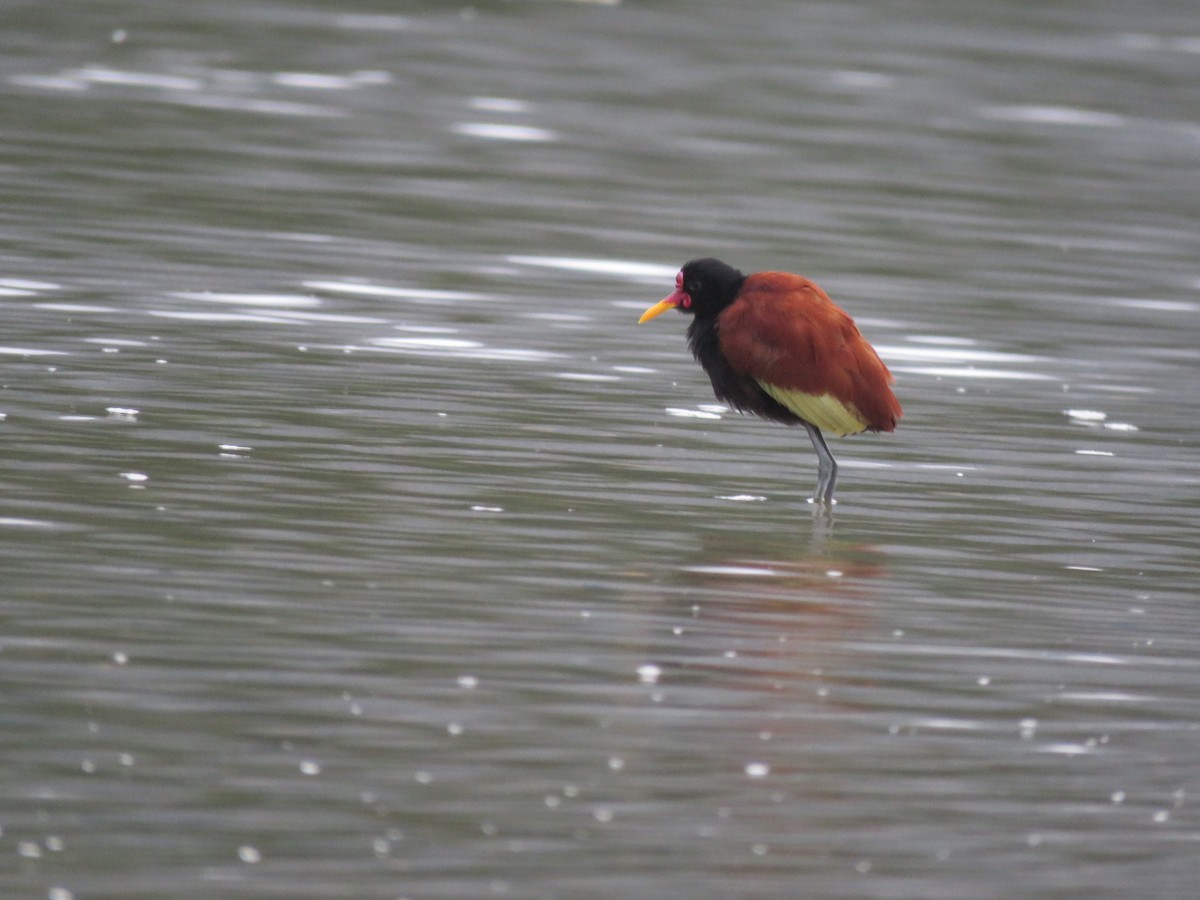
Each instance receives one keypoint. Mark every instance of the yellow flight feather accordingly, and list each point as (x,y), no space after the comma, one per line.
(825,411)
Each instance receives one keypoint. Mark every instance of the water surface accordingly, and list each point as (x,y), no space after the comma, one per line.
(357,543)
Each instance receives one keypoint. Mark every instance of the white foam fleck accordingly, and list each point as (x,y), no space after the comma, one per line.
(15,522)
(460,348)
(365,289)
(282,301)
(313,81)
(104,75)
(1065,749)
(494,131)
(248,854)
(620,268)
(586,376)
(197,316)
(958,354)
(1161,305)
(565,318)
(940,724)
(115,342)
(300,315)
(1101,697)
(25,284)
(969,372)
(299,237)
(29,351)
(1103,659)
(253,105)
(649,673)
(735,571)
(941,340)
(429,343)
(1054,115)
(944,354)
(859,80)
(690,413)
(76,307)
(499,104)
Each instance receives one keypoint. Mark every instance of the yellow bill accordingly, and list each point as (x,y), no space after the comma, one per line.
(679,297)
(658,309)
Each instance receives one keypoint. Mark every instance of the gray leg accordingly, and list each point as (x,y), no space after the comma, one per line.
(826,468)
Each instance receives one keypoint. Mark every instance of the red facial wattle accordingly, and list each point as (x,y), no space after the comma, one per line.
(677,299)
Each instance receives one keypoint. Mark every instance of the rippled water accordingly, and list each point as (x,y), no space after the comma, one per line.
(358,543)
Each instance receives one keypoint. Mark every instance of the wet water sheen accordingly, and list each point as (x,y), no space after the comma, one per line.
(355,541)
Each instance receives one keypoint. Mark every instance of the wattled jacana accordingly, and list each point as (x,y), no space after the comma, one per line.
(775,345)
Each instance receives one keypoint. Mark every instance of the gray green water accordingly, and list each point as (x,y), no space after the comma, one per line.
(355,542)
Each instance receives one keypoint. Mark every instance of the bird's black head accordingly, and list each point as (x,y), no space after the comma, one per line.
(703,287)
(711,284)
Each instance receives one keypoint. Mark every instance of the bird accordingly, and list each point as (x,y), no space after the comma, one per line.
(774,345)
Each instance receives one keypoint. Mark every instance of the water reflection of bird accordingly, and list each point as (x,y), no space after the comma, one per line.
(790,612)
(775,345)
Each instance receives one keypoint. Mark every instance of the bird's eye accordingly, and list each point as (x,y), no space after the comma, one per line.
(679,281)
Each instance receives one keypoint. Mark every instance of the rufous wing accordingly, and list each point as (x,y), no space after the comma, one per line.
(786,334)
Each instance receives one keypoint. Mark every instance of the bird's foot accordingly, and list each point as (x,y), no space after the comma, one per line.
(822,504)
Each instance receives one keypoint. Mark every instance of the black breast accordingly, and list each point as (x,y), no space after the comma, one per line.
(740,391)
